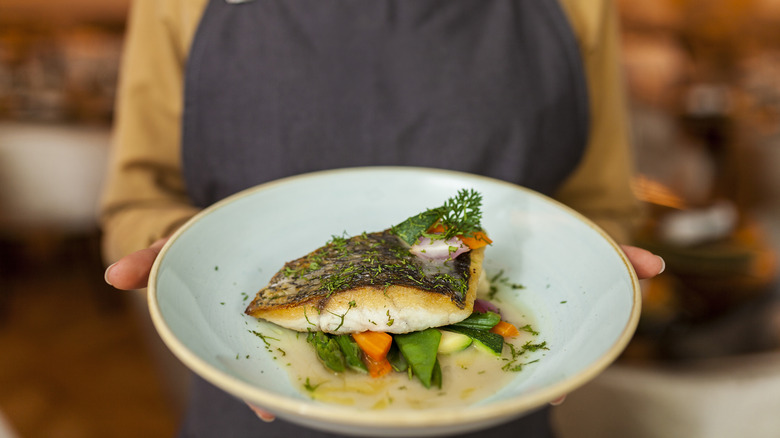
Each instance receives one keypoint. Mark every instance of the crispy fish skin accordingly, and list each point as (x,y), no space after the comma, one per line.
(369,282)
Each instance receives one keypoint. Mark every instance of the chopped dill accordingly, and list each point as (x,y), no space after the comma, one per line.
(349,307)
(265,338)
(529,329)
(534,347)
(339,242)
(307,318)
(499,279)
(309,387)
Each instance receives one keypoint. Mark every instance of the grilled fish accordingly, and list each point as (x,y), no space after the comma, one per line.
(369,282)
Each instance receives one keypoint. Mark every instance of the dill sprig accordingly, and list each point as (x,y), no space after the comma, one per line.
(462,214)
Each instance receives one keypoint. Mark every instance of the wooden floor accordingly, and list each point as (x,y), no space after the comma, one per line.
(74,361)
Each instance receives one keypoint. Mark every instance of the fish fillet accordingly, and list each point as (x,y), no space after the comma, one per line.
(369,282)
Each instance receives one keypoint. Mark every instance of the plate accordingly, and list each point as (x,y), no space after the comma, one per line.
(578,284)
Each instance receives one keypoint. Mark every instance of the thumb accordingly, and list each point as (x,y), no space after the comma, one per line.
(132,271)
(645,263)
(261,414)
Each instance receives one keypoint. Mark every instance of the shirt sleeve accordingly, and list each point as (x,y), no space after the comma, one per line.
(600,188)
(144,197)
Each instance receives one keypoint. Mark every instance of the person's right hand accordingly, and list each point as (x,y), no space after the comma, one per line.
(132,271)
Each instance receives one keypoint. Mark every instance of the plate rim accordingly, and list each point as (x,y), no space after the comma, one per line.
(288,407)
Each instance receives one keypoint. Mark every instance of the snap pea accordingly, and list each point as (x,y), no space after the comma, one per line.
(397,359)
(420,350)
(436,377)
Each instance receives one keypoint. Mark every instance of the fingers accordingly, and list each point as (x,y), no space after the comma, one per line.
(261,414)
(132,271)
(646,264)
(558,401)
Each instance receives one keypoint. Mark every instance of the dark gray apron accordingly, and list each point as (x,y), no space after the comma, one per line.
(280,87)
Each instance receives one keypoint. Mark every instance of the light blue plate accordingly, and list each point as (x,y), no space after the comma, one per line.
(578,283)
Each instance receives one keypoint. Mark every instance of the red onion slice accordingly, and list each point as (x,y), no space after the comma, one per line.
(483,306)
(437,249)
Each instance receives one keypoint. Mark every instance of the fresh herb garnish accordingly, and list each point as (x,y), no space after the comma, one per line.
(265,338)
(460,216)
(533,347)
(499,279)
(309,387)
(350,306)
(529,329)
(512,364)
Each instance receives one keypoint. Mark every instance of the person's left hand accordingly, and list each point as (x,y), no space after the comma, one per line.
(645,263)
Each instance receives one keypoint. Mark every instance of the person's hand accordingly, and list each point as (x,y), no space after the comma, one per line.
(132,272)
(261,414)
(645,263)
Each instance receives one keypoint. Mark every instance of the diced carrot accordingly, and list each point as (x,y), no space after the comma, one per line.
(505,329)
(476,240)
(377,368)
(374,344)
(437,228)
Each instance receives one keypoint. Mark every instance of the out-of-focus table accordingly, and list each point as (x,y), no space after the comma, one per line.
(710,378)
(51,176)
(729,397)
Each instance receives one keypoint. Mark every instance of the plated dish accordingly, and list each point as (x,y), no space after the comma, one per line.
(577,288)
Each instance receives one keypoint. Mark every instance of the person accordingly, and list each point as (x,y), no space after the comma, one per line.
(217,96)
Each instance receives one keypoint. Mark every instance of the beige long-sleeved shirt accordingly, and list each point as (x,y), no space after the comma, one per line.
(145,197)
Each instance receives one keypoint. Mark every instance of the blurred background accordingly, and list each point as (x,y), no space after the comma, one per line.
(78,359)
